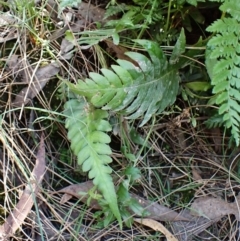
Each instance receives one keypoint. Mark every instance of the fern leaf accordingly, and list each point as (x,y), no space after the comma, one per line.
(225,72)
(87,129)
(232,7)
(135,90)
(228,25)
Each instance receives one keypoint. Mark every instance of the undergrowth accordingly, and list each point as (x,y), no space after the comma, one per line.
(132,90)
(136,122)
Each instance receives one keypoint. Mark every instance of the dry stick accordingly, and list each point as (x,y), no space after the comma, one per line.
(24,206)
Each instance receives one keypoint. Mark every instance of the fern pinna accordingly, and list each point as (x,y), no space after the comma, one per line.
(223,63)
(140,88)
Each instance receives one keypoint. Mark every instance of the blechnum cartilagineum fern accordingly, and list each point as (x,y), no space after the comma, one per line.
(135,89)
(223,64)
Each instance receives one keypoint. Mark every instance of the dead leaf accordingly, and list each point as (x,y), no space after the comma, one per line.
(185,231)
(19,67)
(155,210)
(91,13)
(66,197)
(217,139)
(196,174)
(65,50)
(213,208)
(79,191)
(41,78)
(119,51)
(8,35)
(52,8)
(24,206)
(181,138)
(87,11)
(7,20)
(157,227)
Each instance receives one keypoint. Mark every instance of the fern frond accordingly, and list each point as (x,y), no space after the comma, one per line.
(87,129)
(225,25)
(214,121)
(232,7)
(224,51)
(136,90)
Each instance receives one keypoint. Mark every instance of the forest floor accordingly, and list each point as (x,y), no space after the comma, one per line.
(189,180)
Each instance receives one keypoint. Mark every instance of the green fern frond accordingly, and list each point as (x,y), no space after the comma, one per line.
(141,89)
(225,25)
(87,129)
(232,7)
(224,51)
(214,121)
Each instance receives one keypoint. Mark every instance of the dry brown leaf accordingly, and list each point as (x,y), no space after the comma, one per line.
(185,231)
(20,68)
(41,78)
(217,139)
(157,227)
(91,13)
(119,51)
(87,11)
(7,32)
(213,208)
(65,50)
(80,191)
(7,19)
(155,210)
(196,174)
(66,197)
(24,206)
(8,35)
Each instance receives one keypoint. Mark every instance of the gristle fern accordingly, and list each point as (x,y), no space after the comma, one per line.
(87,129)
(223,63)
(142,87)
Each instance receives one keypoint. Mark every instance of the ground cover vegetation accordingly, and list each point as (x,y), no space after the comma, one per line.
(119,120)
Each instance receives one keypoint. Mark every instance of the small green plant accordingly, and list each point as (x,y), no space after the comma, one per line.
(222,60)
(138,89)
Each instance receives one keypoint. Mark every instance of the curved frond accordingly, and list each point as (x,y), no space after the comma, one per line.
(87,129)
(140,88)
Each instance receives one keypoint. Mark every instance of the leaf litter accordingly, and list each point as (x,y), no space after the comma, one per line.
(36,79)
(215,208)
(154,210)
(28,197)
